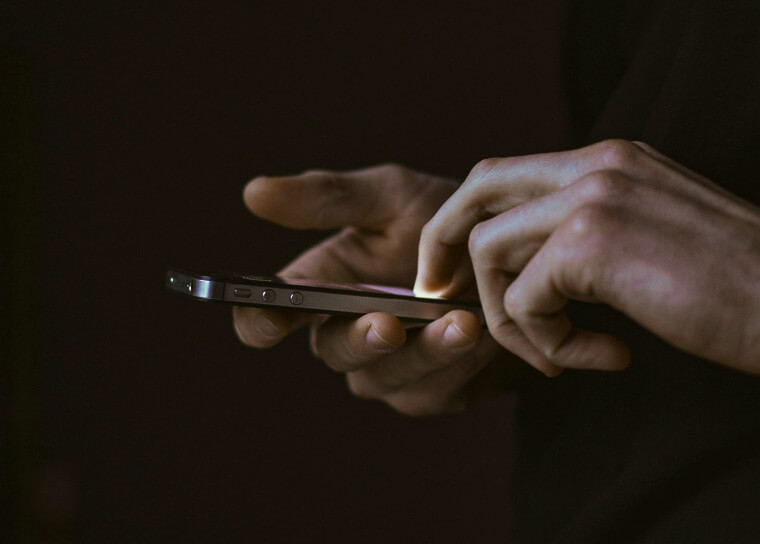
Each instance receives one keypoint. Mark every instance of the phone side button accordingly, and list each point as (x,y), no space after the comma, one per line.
(296,298)
(242,293)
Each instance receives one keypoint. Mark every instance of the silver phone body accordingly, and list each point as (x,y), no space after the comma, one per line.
(314,296)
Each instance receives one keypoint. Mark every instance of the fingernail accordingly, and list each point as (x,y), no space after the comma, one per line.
(420,290)
(378,343)
(265,327)
(453,337)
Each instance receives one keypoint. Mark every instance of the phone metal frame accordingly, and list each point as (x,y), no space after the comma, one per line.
(280,294)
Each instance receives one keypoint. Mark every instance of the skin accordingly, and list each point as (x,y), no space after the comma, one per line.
(444,367)
(615,223)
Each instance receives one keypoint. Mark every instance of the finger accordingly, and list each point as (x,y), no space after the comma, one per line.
(332,259)
(429,349)
(260,328)
(325,200)
(572,264)
(509,240)
(493,186)
(492,283)
(348,344)
(455,387)
(501,247)
(497,185)
(347,256)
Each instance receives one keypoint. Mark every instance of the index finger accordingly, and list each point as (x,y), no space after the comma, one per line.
(315,199)
(495,186)
(363,198)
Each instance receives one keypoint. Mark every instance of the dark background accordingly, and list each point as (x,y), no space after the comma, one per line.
(130,415)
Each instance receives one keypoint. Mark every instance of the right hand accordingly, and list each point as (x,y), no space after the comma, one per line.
(443,367)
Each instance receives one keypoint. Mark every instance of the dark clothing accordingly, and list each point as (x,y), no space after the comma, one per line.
(669,450)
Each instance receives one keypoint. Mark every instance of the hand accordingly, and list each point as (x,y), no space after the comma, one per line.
(615,223)
(443,367)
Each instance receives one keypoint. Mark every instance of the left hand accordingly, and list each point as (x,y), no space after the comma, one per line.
(615,223)
(444,367)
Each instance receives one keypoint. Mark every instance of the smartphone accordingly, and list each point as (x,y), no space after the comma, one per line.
(323,297)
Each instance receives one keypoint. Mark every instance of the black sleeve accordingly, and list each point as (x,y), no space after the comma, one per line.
(669,450)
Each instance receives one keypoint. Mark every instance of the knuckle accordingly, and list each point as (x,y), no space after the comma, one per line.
(586,235)
(483,167)
(616,154)
(360,385)
(603,186)
(477,243)
(429,229)
(333,187)
(515,304)
(590,221)
(396,178)
(336,186)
